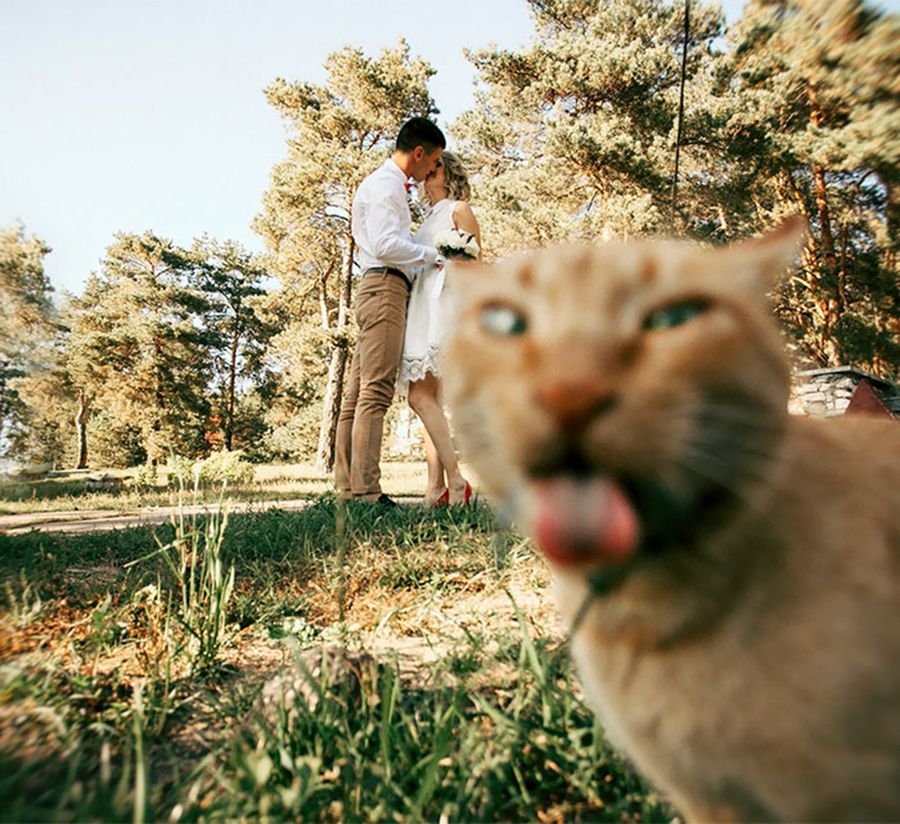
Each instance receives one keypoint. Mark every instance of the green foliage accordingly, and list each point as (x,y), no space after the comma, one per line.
(496,730)
(219,468)
(26,320)
(293,429)
(41,431)
(338,133)
(194,557)
(114,439)
(139,336)
(25,307)
(226,467)
(230,279)
(573,138)
(363,745)
(250,428)
(809,96)
(23,602)
(145,477)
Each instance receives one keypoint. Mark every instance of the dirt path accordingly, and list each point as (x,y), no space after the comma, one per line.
(100,520)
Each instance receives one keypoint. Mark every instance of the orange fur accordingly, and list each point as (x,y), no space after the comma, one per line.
(746,657)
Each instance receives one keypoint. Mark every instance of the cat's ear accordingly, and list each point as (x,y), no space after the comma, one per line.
(765,260)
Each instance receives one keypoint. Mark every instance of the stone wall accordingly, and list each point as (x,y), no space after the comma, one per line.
(828,392)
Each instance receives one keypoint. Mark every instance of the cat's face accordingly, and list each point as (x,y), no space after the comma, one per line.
(606,395)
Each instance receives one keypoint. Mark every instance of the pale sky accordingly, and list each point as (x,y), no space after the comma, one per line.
(128,115)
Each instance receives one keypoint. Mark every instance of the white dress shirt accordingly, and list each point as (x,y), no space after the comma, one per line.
(381,223)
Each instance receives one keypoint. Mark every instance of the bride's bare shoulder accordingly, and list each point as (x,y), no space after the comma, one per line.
(464,218)
(461,208)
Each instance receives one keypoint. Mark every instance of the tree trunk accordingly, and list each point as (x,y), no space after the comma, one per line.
(888,321)
(828,285)
(892,219)
(334,389)
(155,435)
(229,401)
(826,291)
(818,339)
(81,419)
(331,410)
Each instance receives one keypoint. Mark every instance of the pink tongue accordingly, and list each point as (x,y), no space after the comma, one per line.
(584,522)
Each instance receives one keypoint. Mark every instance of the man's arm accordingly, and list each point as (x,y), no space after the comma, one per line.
(387,224)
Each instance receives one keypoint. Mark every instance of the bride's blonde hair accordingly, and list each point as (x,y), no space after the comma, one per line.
(457,181)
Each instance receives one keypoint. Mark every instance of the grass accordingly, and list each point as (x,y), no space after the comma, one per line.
(370,665)
(270,482)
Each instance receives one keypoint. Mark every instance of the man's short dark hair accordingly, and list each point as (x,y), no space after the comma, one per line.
(420,131)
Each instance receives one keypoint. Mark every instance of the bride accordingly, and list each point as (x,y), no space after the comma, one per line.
(447,190)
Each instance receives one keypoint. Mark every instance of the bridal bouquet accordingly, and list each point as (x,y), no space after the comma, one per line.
(452,243)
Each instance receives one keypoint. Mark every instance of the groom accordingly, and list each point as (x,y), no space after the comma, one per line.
(387,256)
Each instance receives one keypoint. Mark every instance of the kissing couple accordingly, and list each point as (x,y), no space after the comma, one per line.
(403,312)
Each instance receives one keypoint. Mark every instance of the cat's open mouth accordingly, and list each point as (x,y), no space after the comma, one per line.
(584,517)
(584,521)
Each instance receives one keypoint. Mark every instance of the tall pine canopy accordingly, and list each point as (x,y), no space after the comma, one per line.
(813,91)
(574,137)
(339,132)
(26,315)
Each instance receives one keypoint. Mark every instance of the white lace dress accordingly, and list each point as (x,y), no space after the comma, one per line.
(429,312)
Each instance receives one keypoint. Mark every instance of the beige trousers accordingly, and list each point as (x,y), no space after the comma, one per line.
(381,317)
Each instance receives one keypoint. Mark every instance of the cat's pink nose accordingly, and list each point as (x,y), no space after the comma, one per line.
(574,403)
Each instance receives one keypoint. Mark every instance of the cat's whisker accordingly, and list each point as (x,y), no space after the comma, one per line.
(736,433)
(739,455)
(737,420)
(740,426)
(753,499)
(697,460)
(722,413)
(743,462)
(738,411)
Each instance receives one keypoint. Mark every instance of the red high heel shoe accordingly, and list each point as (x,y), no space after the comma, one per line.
(467,495)
(444,500)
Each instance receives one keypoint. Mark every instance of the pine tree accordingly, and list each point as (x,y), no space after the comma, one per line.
(26,316)
(231,281)
(574,138)
(140,349)
(339,132)
(813,90)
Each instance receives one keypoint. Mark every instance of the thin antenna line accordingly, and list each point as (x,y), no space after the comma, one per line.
(684,51)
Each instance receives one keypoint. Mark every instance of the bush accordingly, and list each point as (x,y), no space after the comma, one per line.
(145,477)
(225,466)
(218,468)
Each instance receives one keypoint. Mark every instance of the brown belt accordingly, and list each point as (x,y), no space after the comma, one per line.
(389,270)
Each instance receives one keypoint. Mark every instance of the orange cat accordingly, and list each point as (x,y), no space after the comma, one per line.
(730,574)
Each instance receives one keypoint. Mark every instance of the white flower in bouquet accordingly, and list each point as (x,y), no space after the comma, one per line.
(453,243)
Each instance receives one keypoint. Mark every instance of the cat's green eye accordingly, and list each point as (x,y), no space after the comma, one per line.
(677,314)
(503,320)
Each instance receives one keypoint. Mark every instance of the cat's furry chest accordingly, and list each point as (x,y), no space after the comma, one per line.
(740,731)
(784,708)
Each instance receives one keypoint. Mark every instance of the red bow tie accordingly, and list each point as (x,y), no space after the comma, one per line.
(409,185)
